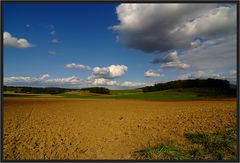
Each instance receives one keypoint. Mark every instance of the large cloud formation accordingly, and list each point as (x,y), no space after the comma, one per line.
(12,42)
(162,27)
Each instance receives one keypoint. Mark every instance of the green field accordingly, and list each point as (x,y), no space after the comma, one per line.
(171,94)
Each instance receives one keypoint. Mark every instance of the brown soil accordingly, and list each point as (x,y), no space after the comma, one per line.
(103,129)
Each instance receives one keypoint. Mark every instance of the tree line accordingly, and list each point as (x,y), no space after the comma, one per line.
(53,90)
(191,83)
(219,84)
(35,90)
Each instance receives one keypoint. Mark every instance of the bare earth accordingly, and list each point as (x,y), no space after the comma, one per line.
(47,129)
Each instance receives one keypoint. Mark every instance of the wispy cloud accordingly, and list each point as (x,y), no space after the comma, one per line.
(152,73)
(171,60)
(77,66)
(177,65)
(25,79)
(55,41)
(52,52)
(212,54)
(43,80)
(53,32)
(230,75)
(51,26)
(73,80)
(195,44)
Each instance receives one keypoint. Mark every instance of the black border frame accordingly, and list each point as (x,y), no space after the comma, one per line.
(2,2)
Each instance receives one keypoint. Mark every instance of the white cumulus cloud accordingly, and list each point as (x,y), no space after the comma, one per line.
(113,71)
(13,42)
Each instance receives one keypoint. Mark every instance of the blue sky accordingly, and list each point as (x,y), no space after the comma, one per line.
(122,47)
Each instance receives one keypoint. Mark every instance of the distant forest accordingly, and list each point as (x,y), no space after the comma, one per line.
(218,84)
(53,90)
(37,90)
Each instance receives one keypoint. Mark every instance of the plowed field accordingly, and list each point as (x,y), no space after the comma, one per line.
(53,129)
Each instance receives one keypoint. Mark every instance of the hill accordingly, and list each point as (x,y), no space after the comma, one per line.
(220,86)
